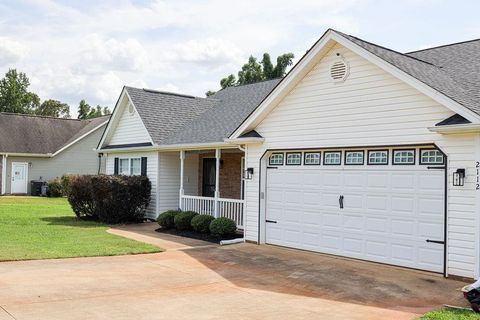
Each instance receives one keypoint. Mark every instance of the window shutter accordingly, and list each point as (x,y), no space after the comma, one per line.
(115,166)
(144,167)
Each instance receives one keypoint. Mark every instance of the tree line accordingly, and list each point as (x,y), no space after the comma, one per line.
(15,97)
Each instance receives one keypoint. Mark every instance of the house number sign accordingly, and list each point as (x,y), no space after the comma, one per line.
(477,181)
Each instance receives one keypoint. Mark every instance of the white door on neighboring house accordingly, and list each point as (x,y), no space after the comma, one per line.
(19,177)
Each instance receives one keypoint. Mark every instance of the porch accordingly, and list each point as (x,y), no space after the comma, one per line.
(211,182)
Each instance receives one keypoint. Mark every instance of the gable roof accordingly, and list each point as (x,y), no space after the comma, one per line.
(172,119)
(28,134)
(449,85)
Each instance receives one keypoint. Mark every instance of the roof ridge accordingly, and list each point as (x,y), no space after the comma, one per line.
(443,45)
(169,93)
(249,84)
(388,49)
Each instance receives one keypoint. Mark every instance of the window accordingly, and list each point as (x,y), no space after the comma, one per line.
(276,159)
(312,158)
(354,157)
(403,156)
(332,158)
(130,167)
(431,156)
(294,159)
(378,157)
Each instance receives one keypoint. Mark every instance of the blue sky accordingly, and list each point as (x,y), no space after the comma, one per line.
(82,49)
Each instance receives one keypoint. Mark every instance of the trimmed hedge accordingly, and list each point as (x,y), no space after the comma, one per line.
(55,188)
(222,227)
(166,219)
(110,199)
(183,220)
(201,223)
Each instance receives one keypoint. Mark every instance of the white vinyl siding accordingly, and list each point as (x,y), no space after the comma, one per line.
(169,181)
(371,108)
(129,128)
(152,173)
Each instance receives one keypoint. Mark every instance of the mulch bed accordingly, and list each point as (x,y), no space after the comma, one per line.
(198,236)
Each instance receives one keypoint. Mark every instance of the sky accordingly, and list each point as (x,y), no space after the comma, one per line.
(90,49)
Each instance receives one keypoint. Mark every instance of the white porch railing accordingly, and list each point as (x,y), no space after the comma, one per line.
(229,208)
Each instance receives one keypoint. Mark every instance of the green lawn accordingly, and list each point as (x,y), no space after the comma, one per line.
(46,228)
(451,314)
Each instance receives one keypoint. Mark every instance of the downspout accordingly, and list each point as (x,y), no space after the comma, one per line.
(4,173)
(100,155)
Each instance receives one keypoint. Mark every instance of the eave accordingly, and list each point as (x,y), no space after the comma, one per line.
(456,128)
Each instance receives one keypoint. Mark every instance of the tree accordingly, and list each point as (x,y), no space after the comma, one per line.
(85,111)
(14,94)
(252,71)
(53,108)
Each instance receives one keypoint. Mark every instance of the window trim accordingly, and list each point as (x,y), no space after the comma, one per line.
(332,164)
(129,161)
(276,164)
(354,164)
(404,164)
(293,164)
(430,163)
(312,164)
(377,163)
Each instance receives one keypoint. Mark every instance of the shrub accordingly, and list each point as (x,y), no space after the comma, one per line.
(80,197)
(55,189)
(109,199)
(222,227)
(201,223)
(120,199)
(166,219)
(66,181)
(183,220)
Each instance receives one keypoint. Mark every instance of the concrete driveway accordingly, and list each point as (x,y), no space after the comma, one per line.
(197,280)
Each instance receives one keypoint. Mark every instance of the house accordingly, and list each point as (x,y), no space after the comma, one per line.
(360,151)
(45,148)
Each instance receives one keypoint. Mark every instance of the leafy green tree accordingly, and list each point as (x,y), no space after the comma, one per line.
(210,93)
(85,111)
(14,94)
(252,71)
(53,108)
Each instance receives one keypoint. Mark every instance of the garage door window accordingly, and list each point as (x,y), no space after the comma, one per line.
(332,158)
(431,156)
(378,157)
(404,157)
(276,159)
(312,158)
(354,157)
(294,159)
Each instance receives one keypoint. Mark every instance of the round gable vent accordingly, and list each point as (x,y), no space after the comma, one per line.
(131,109)
(339,70)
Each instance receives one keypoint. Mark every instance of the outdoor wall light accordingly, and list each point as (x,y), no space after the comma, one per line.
(248,174)
(459,178)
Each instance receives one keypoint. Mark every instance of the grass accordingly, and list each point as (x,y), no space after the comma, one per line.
(46,228)
(451,314)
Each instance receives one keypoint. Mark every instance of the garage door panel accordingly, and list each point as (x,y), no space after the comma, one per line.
(389,212)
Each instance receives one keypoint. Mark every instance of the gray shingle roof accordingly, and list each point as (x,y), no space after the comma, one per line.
(430,67)
(41,135)
(179,119)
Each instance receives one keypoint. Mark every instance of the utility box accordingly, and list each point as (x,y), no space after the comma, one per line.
(36,187)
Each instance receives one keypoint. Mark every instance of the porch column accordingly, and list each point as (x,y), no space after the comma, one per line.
(4,173)
(181,192)
(217,180)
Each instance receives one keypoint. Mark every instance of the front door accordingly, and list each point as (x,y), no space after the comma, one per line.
(19,177)
(208,180)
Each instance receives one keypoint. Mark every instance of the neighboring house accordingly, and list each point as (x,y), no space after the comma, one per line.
(360,151)
(44,148)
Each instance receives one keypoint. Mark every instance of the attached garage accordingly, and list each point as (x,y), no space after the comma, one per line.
(383,205)
(368,153)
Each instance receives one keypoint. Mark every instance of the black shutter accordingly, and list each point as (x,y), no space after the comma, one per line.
(115,167)
(144,166)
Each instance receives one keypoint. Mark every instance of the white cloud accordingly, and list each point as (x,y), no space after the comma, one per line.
(10,51)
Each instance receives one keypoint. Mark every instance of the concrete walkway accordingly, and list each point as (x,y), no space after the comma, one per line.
(198,280)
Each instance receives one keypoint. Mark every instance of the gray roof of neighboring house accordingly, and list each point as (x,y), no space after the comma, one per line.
(452,70)
(41,135)
(181,119)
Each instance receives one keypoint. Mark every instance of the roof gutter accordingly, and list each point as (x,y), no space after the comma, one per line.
(32,155)
(457,128)
(249,140)
(173,147)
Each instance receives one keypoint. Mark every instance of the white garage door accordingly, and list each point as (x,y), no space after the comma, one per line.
(389,211)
